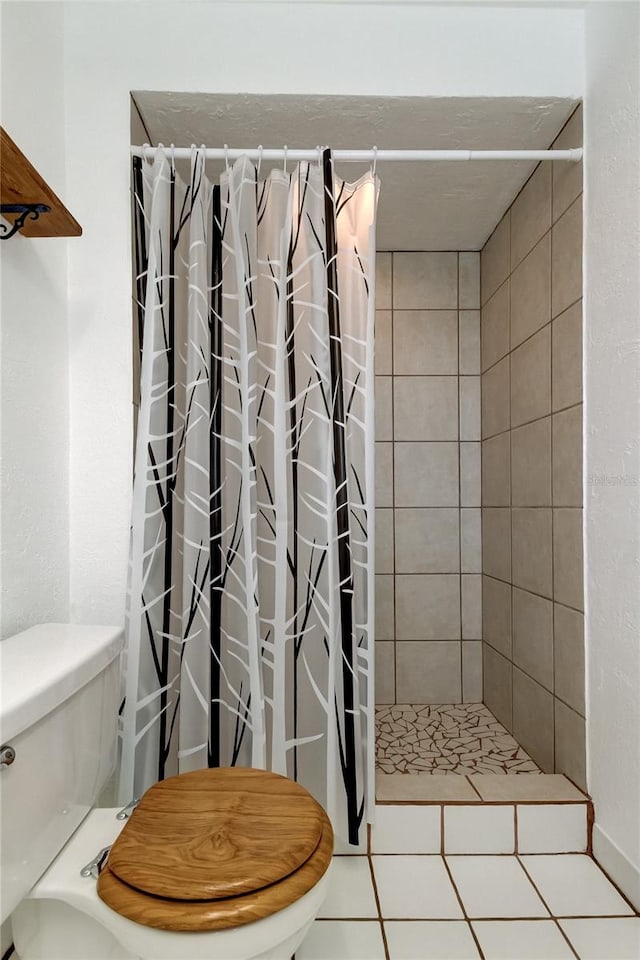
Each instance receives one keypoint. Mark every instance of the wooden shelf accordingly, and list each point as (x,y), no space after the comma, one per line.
(20,182)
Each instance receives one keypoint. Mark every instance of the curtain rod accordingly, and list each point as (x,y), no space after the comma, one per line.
(374,155)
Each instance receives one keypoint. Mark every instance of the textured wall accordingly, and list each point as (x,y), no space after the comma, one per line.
(612,375)
(531,282)
(428,548)
(35,360)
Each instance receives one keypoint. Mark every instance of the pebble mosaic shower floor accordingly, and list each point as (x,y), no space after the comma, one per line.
(446,738)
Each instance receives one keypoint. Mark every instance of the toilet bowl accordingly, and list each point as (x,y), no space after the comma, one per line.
(228,863)
(221,864)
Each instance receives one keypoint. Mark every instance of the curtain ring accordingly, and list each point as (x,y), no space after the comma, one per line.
(319,149)
(260,152)
(285,158)
(145,146)
(375,161)
(173,157)
(226,156)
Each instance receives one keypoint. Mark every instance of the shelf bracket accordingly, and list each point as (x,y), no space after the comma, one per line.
(25,211)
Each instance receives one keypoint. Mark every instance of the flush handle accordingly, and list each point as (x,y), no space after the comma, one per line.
(7,755)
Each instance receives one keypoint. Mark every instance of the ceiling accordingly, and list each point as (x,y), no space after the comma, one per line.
(444,205)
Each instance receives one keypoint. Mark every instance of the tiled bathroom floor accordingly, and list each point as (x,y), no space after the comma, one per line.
(461,738)
(401,906)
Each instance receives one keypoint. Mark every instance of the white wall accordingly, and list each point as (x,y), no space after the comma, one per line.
(34,362)
(34,532)
(612,406)
(383,49)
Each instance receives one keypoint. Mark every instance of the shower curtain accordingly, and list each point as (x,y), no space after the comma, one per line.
(251,603)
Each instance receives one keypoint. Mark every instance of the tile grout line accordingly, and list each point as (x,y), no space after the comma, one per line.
(393,482)
(483,303)
(416,252)
(510,725)
(552,223)
(434,374)
(492,576)
(533,679)
(482,638)
(514,266)
(474,788)
(473,802)
(518,426)
(463,908)
(517,506)
(567,122)
(551,914)
(553,572)
(549,919)
(636,911)
(527,423)
(447,309)
(458,341)
(498,919)
(591,819)
(378,907)
(530,337)
(476,806)
(487,241)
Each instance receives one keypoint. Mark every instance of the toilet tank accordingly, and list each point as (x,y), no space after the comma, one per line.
(60,685)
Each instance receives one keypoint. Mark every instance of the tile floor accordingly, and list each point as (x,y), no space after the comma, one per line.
(460,738)
(400,906)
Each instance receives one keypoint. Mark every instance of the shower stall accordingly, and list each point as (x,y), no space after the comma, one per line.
(479,534)
(479,664)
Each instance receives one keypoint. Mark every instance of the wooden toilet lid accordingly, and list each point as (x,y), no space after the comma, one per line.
(215,834)
(200,916)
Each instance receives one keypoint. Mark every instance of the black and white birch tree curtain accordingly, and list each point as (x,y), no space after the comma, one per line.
(251,602)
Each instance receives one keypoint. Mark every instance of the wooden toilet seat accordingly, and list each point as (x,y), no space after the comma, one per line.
(217,848)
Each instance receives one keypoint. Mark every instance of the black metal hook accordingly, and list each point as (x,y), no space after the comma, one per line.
(26,211)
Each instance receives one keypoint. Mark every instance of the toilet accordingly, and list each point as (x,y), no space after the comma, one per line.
(217,864)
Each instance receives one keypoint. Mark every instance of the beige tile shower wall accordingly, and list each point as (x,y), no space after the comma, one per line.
(428,518)
(531,349)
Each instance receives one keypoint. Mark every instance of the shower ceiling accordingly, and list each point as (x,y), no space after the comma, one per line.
(445,205)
